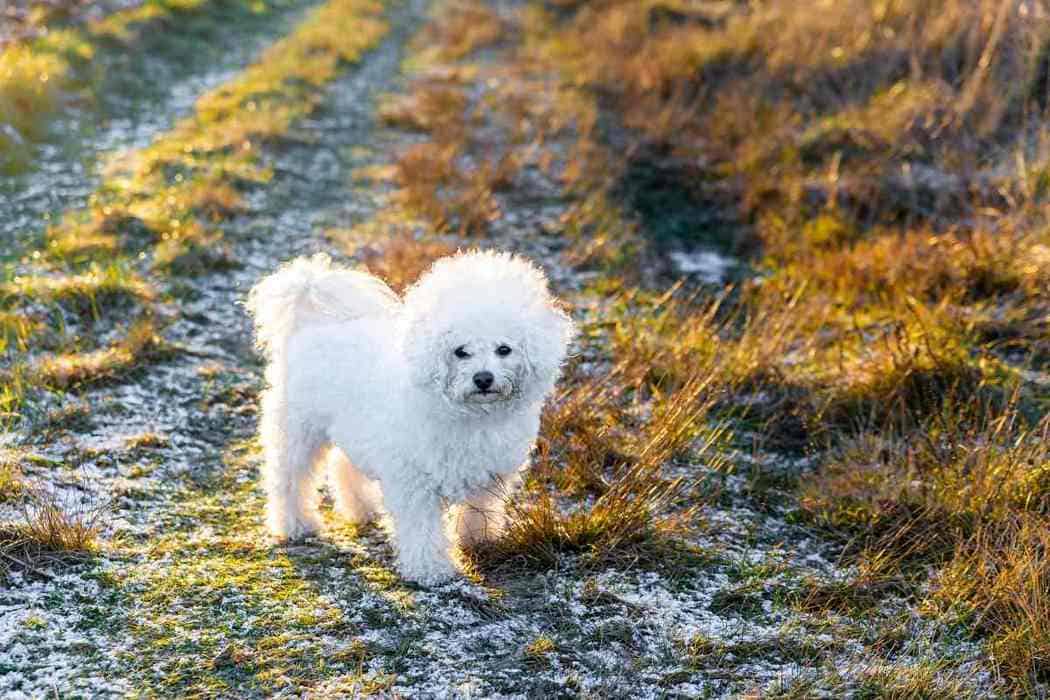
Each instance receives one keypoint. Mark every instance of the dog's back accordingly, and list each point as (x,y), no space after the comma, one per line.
(311,291)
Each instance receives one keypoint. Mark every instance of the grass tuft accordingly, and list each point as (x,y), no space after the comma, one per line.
(460,28)
(87,294)
(12,484)
(47,533)
(140,346)
(999,579)
(630,509)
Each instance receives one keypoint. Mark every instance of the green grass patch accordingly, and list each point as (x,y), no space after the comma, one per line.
(230,613)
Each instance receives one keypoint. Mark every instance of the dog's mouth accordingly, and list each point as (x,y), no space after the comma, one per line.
(485,396)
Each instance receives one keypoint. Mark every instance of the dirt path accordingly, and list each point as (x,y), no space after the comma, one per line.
(188,597)
(137,92)
(71,632)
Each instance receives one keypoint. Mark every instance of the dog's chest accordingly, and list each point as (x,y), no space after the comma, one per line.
(452,459)
(466,464)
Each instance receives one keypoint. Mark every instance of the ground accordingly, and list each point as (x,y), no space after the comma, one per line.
(686,530)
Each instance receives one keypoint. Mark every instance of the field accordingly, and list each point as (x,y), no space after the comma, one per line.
(800,449)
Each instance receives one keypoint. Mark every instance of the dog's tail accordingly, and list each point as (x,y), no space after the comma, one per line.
(311,290)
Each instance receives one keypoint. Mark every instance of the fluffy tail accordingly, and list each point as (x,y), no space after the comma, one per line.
(311,290)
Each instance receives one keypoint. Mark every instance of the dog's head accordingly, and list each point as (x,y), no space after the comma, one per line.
(484,332)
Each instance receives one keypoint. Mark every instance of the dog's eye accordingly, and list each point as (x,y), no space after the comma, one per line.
(503,350)
(461,352)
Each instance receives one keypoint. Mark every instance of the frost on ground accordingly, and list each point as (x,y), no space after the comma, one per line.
(143,91)
(187,596)
(53,637)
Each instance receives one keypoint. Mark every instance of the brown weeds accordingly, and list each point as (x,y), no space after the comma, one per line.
(47,532)
(462,26)
(1000,577)
(141,345)
(401,259)
(12,485)
(881,156)
(628,508)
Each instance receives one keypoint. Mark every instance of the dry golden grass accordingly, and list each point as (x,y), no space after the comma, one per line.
(146,441)
(460,27)
(86,294)
(588,427)
(451,195)
(921,681)
(12,484)
(999,578)
(968,493)
(450,180)
(47,532)
(892,112)
(431,105)
(402,259)
(887,163)
(907,60)
(141,345)
(613,467)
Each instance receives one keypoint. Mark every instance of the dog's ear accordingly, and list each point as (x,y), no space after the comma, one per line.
(424,350)
(546,345)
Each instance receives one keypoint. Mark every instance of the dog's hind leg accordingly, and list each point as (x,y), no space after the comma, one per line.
(356,497)
(478,519)
(292,447)
(482,517)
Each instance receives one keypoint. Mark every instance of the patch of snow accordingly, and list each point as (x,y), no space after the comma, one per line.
(708,265)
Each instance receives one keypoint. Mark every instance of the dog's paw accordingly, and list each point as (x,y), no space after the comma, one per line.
(292,530)
(427,572)
(357,514)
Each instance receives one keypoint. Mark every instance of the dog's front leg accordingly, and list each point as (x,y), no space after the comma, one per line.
(422,547)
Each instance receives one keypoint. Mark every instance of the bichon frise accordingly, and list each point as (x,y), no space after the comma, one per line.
(418,404)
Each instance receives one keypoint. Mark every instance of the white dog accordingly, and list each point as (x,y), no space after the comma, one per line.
(419,404)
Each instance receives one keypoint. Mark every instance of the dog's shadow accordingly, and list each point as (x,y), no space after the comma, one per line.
(358,561)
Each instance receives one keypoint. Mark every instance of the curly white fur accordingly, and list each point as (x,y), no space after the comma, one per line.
(425,406)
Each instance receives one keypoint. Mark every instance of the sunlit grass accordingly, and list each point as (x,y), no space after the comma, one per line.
(613,466)
(16,330)
(12,483)
(278,642)
(920,680)
(141,345)
(30,87)
(402,259)
(998,580)
(969,493)
(885,180)
(164,205)
(40,75)
(85,294)
(456,30)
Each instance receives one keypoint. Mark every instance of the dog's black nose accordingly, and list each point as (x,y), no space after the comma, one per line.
(483,380)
